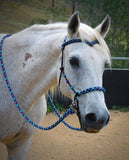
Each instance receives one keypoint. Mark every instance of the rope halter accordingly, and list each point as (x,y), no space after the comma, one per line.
(85,91)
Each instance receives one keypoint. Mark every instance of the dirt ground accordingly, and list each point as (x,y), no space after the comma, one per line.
(61,143)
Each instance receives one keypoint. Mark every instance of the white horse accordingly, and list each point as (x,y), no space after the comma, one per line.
(32,60)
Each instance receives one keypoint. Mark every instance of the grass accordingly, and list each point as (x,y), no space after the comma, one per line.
(16,16)
(122,109)
(61,108)
(58,106)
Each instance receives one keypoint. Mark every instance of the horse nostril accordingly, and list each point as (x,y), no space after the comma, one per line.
(101,121)
(90,119)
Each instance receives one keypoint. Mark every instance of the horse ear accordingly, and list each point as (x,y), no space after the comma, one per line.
(73,24)
(103,28)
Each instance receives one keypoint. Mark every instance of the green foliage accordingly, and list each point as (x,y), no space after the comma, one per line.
(91,11)
(120,64)
(122,109)
(59,107)
(39,21)
(118,37)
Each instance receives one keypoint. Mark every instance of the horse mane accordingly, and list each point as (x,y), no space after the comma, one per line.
(47,27)
(85,33)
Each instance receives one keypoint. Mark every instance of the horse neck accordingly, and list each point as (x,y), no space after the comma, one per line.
(36,58)
(49,53)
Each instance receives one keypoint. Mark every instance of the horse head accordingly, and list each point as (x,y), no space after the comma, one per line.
(83,66)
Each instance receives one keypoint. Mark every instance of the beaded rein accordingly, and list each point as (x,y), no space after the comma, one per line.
(61,118)
(70,111)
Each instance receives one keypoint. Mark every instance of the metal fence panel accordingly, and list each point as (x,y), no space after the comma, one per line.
(116,83)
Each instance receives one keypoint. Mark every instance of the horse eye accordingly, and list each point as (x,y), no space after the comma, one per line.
(74,61)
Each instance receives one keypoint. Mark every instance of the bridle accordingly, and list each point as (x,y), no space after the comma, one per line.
(74,105)
(62,72)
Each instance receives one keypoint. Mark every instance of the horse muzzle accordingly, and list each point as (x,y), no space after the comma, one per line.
(93,123)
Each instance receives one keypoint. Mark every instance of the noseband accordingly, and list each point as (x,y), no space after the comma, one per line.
(85,91)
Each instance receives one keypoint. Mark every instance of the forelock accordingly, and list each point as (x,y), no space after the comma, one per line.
(90,34)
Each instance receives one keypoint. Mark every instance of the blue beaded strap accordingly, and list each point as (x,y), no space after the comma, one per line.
(91,43)
(70,41)
(90,90)
(83,91)
(67,81)
(61,118)
(67,125)
(65,43)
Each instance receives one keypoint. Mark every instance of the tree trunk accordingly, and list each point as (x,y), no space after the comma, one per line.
(73,6)
(53,3)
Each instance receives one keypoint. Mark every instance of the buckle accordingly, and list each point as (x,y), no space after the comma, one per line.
(74,105)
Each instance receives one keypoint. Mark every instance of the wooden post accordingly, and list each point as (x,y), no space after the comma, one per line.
(73,6)
(53,3)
